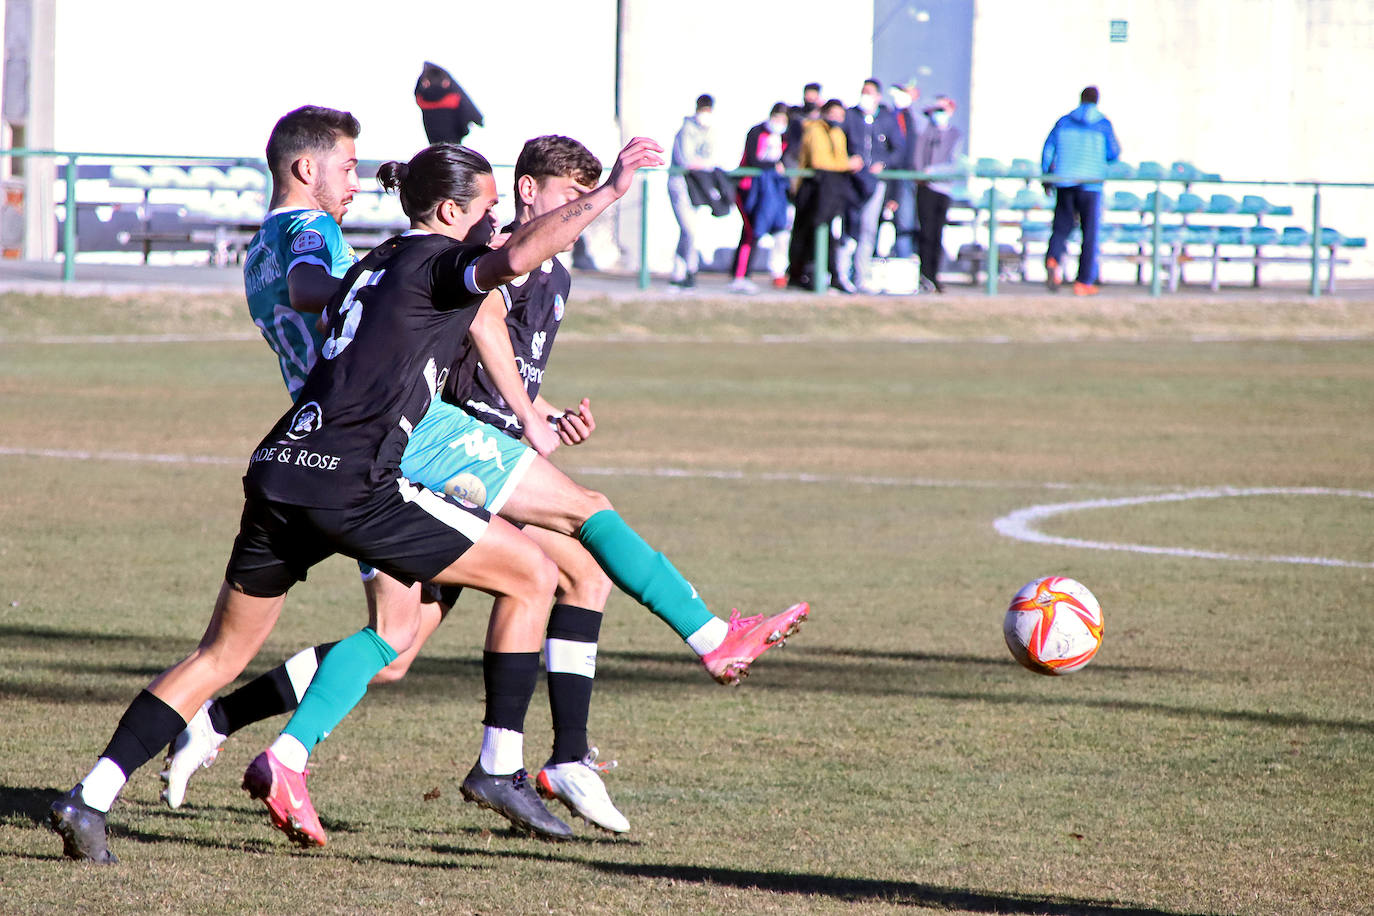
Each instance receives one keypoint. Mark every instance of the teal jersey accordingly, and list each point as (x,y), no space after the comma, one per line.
(289,238)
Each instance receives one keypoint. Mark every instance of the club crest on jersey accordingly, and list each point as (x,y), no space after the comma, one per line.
(537,344)
(557,306)
(309,240)
(306,420)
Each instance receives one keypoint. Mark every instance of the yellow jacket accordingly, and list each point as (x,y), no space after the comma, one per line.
(823,147)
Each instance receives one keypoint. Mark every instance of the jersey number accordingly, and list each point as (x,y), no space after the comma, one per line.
(350,313)
(296,357)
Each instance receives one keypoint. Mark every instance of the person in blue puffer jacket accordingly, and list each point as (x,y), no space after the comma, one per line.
(1076,153)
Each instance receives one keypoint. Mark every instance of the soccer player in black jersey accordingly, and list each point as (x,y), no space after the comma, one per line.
(326,479)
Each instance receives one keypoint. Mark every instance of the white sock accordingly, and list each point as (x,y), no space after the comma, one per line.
(503,751)
(102,784)
(709,637)
(290,752)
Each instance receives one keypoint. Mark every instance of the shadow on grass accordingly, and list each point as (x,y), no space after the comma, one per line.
(26,802)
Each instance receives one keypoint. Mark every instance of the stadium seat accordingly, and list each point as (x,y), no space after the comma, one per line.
(1134,234)
(1189,203)
(1171,234)
(1222,203)
(1184,171)
(1120,170)
(1106,232)
(1151,170)
(1202,235)
(1166,203)
(1022,168)
(205,176)
(169,176)
(1125,201)
(1230,235)
(1295,235)
(1035,231)
(244,178)
(990,168)
(1255,205)
(129,176)
(1031,199)
(1349,241)
(1261,235)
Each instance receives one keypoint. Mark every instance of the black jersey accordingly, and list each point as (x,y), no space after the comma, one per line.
(534,310)
(396,325)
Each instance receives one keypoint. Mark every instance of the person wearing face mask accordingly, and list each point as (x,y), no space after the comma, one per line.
(901,194)
(871,134)
(693,148)
(762,200)
(937,149)
(825,194)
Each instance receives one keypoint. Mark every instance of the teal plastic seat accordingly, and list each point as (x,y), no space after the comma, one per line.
(1120,170)
(1166,203)
(1106,232)
(1189,203)
(1280,210)
(1030,199)
(1035,231)
(1201,235)
(1230,235)
(1254,205)
(1222,203)
(1353,241)
(1151,170)
(1126,202)
(1185,171)
(1331,237)
(1022,168)
(1294,236)
(1134,233)
(1171,234)
(984,201)
(1261,235)
(990,168)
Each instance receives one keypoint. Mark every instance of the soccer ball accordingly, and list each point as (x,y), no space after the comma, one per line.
(1054,625)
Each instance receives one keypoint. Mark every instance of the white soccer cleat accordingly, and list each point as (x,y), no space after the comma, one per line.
(578,785)
(197,746)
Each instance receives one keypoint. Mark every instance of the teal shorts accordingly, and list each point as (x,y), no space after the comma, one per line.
(456,454)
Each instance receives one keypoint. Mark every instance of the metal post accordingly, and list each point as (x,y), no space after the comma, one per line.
(993,252)
(69,225)
(820,273)
(1316,288)
(1157,241)
(644,234)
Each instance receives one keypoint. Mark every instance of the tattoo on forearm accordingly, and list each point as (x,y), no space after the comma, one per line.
(574,210)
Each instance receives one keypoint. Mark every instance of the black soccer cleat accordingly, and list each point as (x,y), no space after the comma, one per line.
(82,829)
(514,798)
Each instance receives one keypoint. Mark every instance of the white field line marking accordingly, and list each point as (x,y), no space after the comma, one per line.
(232,337)
(1022,524)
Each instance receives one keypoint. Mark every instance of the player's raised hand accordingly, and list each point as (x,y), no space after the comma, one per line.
(639,153)
(574,426)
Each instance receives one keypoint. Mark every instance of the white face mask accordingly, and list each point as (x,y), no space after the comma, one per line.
(940,117)
(704,118)
(868,103)
(777,125)
(900,99)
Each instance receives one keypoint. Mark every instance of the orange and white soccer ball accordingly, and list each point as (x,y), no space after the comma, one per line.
(1054,625)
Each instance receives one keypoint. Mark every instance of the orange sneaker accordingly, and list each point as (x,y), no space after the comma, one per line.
(748,638)
(1085,289)
(1054,275)
(288,802)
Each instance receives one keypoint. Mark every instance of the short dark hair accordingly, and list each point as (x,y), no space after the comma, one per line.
(1088,96)
(308,129)
(778,108)
(444,171)
(873,81)
(705,101)
(811,87)
(552,156)
(831,103)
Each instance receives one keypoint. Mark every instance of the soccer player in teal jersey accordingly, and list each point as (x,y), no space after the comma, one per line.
(295,261)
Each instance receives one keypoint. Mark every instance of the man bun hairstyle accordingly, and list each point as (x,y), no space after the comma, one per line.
(444,171)
(309,130)
(554,156)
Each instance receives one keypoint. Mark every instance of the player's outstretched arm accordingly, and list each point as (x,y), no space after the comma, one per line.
(491,337)
(542,238)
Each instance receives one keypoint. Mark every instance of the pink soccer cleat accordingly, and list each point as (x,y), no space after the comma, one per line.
(748,638)
(288,802)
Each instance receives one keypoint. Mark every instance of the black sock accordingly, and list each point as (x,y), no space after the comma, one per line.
(510,679)
(570,657)
(146,727)
(265,696)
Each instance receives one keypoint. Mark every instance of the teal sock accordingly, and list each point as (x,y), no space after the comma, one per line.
(339,684)
(643,573)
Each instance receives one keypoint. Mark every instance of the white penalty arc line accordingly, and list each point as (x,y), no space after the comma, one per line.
(1022,524)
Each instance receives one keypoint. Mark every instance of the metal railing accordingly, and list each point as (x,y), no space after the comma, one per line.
(822,239)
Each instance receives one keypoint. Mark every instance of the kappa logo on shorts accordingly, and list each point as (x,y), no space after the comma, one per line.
(309,240)
(479,448)
(306,420)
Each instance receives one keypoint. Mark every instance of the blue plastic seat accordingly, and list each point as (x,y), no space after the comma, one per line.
(1030,199)
(1255,205)
(1166,203)
(1185,171)
(1201,235)
(1135,234)
(1120,170)
(1280,210)
(1331,237)
(1151,170)
(1261,235)
(1125,201)
(1023,168)
(1294,236)
(1222,203)
(1350,241)
(1035,231)
(1189,203)
(990,168)
(1171,234)
(1231,235)
(984,200)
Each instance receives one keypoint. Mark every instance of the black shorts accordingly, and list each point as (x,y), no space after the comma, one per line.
(409,533)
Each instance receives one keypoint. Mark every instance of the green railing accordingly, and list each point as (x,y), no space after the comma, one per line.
(822,241)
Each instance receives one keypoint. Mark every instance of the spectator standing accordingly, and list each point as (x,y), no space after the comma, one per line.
(798,115)
(762,200)
(1077,152)
(824,195)
(693,148)
(447,111)
(901,194)
(938,148)
(870,132)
